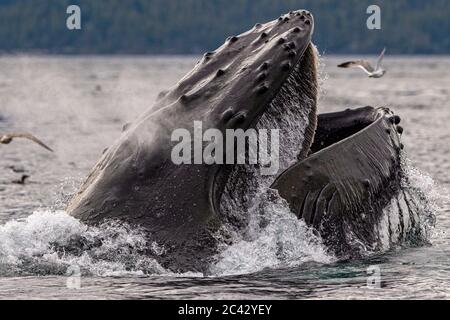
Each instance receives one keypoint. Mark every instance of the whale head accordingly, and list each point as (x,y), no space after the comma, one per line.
(264,78)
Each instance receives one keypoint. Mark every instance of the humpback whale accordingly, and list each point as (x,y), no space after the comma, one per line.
(332,166)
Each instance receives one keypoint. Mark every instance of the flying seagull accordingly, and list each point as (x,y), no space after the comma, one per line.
(378,72)
(7,138)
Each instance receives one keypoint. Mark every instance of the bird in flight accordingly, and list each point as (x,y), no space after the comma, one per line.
(8,138)
(365,65)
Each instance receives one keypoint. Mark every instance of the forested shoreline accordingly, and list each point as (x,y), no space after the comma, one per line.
(193,26)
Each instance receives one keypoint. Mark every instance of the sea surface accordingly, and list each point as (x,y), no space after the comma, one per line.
(78,106)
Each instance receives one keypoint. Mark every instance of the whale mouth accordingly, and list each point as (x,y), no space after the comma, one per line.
(292,111)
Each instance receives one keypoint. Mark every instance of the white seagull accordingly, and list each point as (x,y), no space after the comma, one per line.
(378,72)
(8,138)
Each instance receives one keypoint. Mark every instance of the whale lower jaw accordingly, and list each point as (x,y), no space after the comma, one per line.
(352,182)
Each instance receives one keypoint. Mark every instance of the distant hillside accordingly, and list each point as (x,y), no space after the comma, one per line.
(193,26)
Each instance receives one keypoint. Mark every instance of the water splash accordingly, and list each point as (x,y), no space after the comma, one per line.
(322,75)
(410,218)
(275,238)
(50,242)
(431,197)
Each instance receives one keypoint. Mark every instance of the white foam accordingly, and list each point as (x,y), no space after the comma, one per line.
(429,197)
(50,242)
(410,218)
(275,238)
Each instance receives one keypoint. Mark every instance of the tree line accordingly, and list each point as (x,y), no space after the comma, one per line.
(194,26)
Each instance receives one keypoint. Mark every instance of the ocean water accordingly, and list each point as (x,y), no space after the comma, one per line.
(78,106)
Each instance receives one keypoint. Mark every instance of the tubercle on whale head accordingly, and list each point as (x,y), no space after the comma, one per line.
(246,72)
(240,79)
(275,88)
